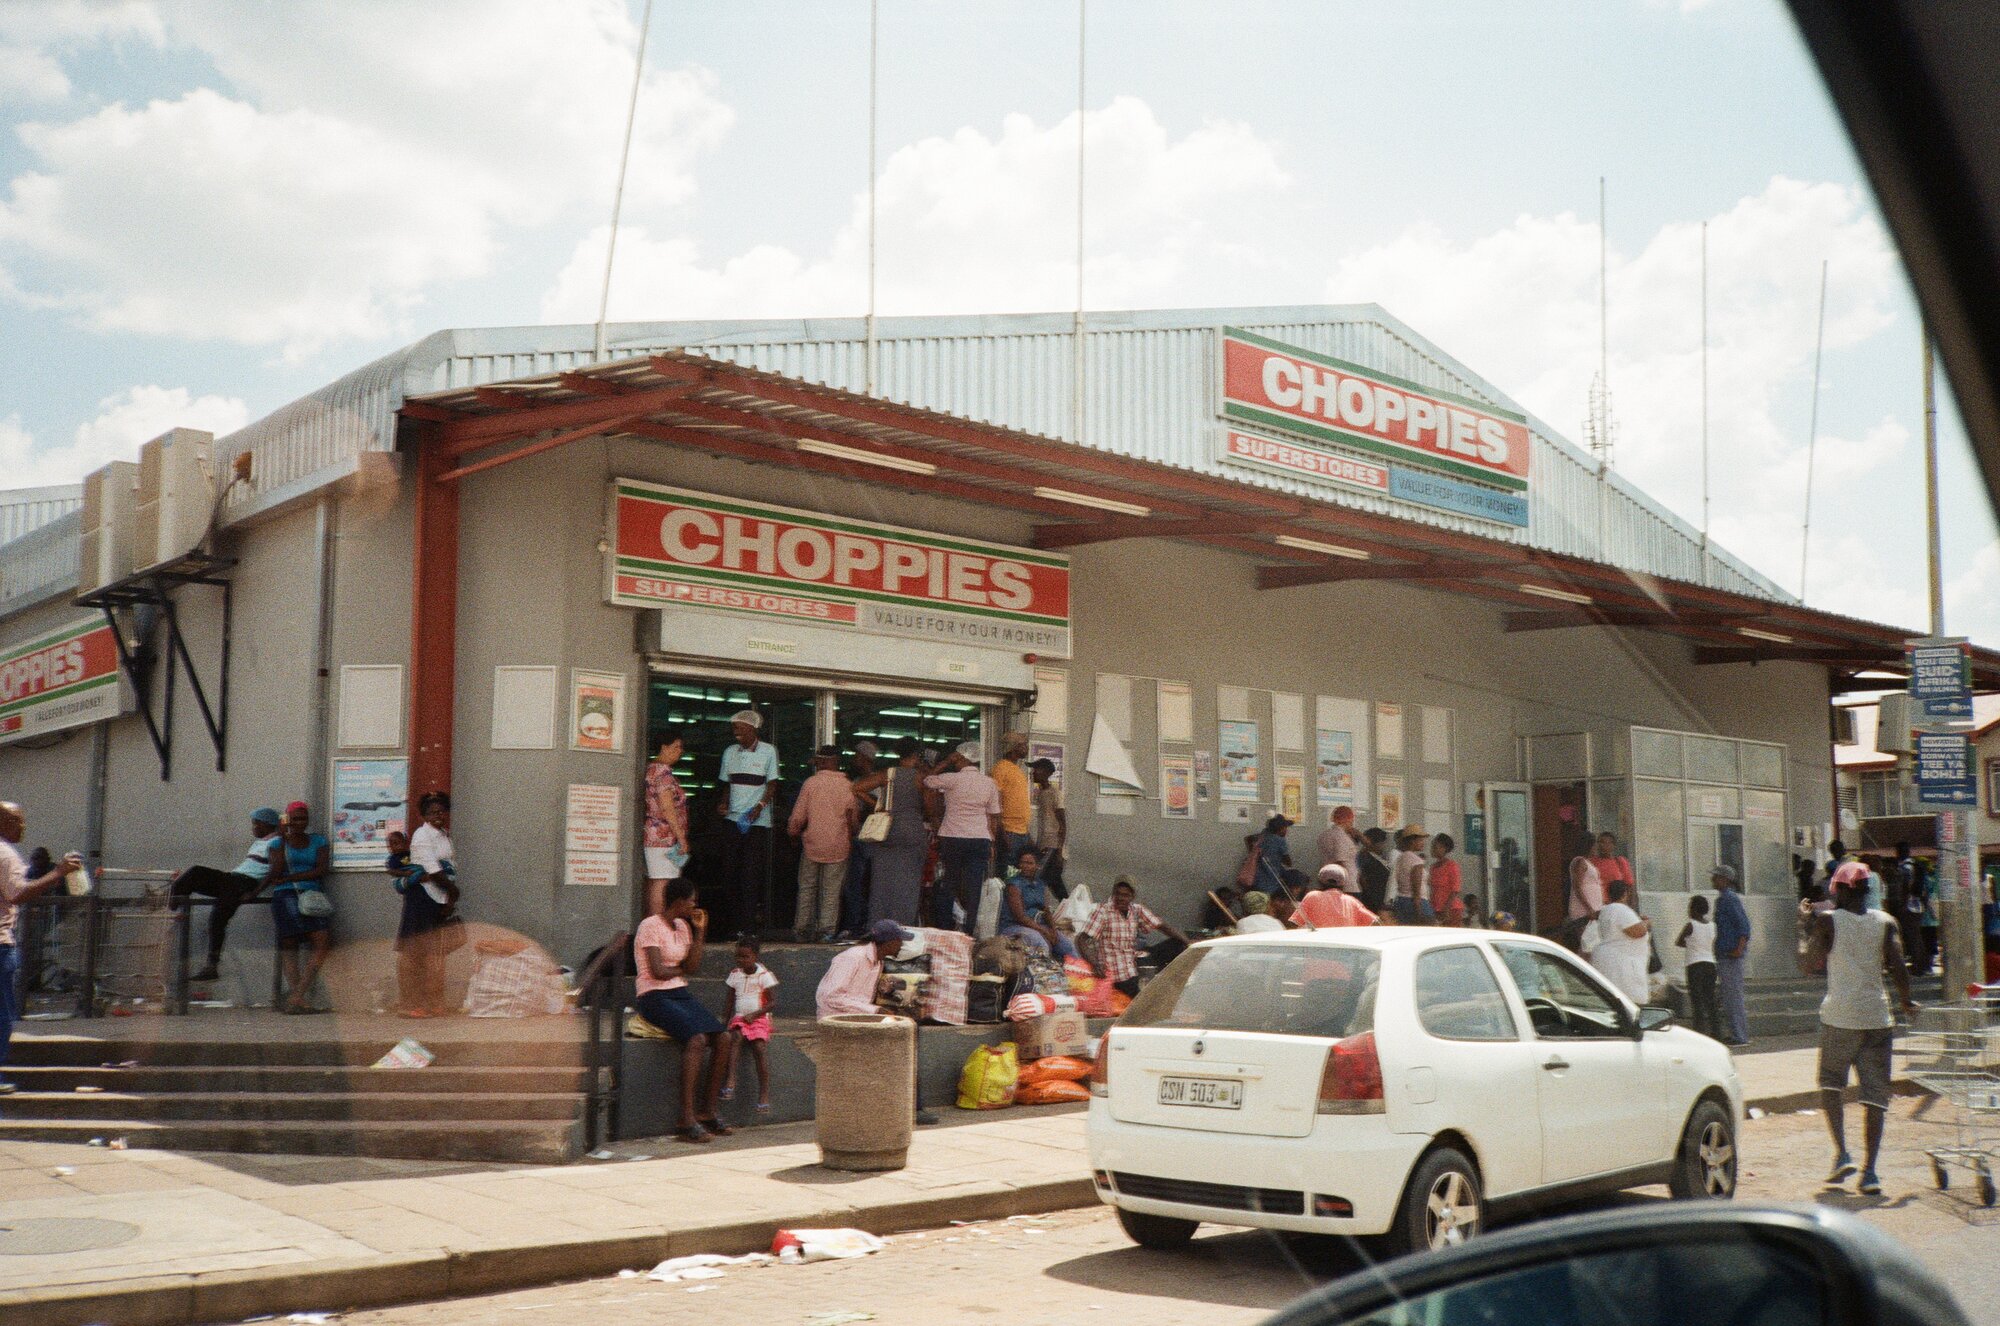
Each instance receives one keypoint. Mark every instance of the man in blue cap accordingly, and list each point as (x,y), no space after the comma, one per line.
(230,888)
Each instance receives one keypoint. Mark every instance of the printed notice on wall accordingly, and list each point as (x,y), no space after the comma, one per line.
(590,836)
(1051,700)
(368,800)
(1292,792)
(1389,801)
(1204,775)
(1336,767)
(1176,712)
(1388,730)
(597,711)
(1288,721)
(1176,787)
(1241,762)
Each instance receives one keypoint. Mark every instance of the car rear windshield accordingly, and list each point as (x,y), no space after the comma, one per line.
(1287,988)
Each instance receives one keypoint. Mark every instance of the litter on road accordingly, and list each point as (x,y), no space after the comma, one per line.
(700,1266)
(820,1245)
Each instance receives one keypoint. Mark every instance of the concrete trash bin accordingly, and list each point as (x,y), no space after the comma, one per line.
(867,1091)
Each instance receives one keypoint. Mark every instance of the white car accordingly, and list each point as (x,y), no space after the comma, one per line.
(1395,1082)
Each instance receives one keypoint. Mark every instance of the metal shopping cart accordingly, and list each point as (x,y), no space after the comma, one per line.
(1953,1052)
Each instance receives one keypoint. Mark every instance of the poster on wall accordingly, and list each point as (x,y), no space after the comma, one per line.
(1241,776)
(1204,775)
(1292,792)
(590,836)
(1389,730)
(597,711)
(1052,751)
(368,801)
(1176,787)
(1176,716)
(1336,768)
(1389,802)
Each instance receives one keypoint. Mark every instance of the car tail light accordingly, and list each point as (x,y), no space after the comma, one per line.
(1100,1069)
(1352,1081)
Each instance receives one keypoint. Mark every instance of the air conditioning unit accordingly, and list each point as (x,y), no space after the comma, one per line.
(176,495)
(1893,722)
(110,526)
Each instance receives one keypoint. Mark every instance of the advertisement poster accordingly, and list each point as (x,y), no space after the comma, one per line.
(368,800)
(590,836)
(1241,776)
(1052,751)
(597,711)
(1176,787)
(1389,802)
(1336,768)
(1389,730)
(1204,775)
(1292,793)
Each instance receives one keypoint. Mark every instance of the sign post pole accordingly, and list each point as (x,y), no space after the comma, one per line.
(1941,683)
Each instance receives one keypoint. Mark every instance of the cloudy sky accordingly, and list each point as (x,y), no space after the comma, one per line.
(208,207)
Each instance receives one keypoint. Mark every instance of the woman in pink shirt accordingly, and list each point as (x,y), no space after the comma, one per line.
(666,841)
(665,950)
(1445,882)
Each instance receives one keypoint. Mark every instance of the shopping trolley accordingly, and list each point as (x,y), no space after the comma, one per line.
(1953,1052)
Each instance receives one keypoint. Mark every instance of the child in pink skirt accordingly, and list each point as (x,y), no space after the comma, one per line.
(750,984)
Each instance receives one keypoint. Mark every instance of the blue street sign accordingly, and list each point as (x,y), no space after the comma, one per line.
(1941,677)
(1945,774)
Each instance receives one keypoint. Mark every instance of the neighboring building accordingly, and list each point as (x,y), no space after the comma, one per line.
(1877,787)
(1308,562)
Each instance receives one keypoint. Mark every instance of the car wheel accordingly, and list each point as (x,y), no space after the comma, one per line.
(1442,1206)
(1705,1165)
(1155,1231)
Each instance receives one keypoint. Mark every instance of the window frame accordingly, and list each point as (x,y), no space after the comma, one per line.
(1625,1023)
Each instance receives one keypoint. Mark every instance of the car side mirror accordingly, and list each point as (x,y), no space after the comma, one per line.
(1649,1266)
(1652,1017)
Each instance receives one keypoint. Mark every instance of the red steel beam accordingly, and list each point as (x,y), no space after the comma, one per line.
(1054,537)
(433,619)
(535,448)
(1559,620)
(472,431)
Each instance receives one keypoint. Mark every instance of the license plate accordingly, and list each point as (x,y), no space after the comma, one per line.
(1205,1092)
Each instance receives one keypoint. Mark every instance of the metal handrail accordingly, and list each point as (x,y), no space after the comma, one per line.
(600,989)
(97,910)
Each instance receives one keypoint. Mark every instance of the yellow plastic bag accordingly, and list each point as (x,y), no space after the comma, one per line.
(989,1079)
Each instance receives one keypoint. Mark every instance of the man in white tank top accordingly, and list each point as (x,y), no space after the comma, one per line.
(1858,946)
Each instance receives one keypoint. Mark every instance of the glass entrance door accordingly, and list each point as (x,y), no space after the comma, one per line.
(1510,851)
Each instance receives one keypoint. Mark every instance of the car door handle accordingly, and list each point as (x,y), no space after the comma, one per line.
(1556,1064)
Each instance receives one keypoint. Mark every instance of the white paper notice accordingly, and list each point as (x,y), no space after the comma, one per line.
(524,708)
(1437,798)
(1051,700)
(590,836)
(1388,730)
(1114,703)
(1288,721)
(371,706)
(1108,758)
(1176,712)
(1437,734)
(1232,704)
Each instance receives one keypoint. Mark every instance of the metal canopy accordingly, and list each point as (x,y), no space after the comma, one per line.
(1093,496)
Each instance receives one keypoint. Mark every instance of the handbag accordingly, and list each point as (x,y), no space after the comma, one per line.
(314,904)
(1654,964)
(875,828)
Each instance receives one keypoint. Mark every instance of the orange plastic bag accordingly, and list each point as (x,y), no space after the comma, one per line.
(1055,1068)
(1120,1001)
(1053,1093)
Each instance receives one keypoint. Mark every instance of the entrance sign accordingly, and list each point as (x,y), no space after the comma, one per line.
(1941,677)
(670,546)
(1267,383)
(60,679)
(1945,771)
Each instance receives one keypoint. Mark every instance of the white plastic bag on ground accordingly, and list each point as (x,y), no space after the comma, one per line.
(990,898)
(825,1245)
(1076,908)
(702,1266)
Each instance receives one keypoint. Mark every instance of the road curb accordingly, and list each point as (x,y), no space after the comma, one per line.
(375,1282)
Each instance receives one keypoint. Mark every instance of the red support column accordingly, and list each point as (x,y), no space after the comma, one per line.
(433,618)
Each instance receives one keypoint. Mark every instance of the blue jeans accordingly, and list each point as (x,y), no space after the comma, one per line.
(1011,847)
(962,866)
(854,893)
(1735,1018)
(10,1005)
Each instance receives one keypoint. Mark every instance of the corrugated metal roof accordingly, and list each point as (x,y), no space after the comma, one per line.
(41,563)
(1150,392)
(24,510)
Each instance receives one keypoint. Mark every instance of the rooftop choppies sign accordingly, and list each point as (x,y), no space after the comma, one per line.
(671,547)
(59,679)
(1270,385)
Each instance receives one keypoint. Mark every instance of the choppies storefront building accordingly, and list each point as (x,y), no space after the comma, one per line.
(1254,560)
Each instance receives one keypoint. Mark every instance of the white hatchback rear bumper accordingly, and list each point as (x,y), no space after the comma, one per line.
(1258,1182)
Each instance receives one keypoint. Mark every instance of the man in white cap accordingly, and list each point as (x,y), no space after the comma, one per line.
(966,834)
(750,780)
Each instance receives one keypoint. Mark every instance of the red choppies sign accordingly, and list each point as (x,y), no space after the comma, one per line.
(1279,386)
(674,547)
(60,679)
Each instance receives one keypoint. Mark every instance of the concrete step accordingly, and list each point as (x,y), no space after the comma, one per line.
(349,1081)
(533,1143)
(218,1107)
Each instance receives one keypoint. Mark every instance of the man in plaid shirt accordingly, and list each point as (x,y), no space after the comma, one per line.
(1116,926)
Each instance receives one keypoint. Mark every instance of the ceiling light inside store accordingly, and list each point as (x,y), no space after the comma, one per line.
(1314,545)
(1560,595)
(839,452)
(1099,503)
(1772,636)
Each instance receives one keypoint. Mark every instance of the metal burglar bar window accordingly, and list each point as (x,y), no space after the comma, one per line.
(1884,793)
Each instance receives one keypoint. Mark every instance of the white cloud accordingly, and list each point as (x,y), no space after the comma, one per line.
(358,157)
(978,222)
(30,75)
(136,415)
(1972,597)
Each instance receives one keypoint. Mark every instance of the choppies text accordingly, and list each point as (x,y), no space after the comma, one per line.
(44,670)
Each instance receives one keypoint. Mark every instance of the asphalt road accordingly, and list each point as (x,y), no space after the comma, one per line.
(1077,1267)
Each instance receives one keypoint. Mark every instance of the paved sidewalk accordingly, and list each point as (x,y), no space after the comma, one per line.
(213,1237)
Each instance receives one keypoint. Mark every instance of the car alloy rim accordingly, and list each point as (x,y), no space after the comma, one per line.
(1452,1213)
(1718,1160)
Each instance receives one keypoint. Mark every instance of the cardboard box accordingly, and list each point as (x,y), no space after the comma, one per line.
(1051,1033)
